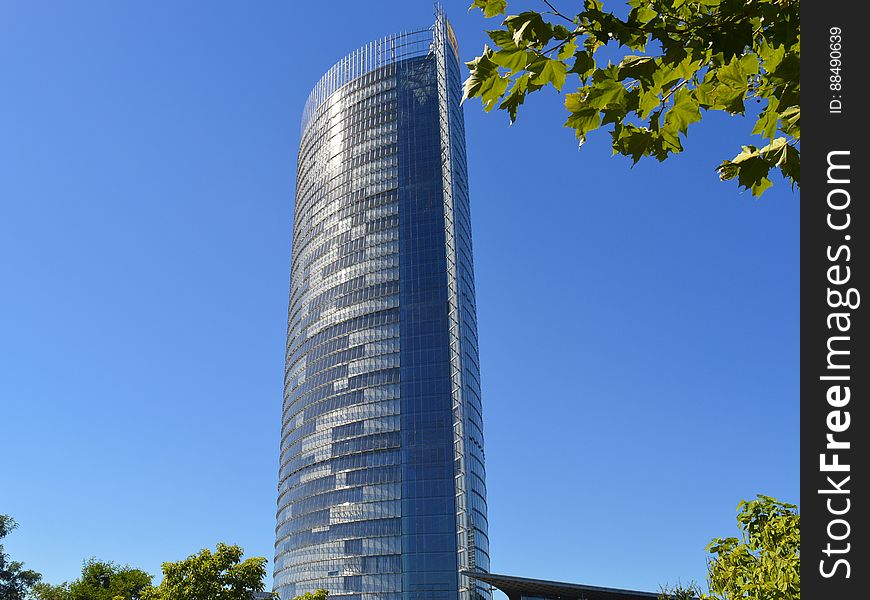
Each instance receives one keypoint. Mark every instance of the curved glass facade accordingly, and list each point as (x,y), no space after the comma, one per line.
(381,485)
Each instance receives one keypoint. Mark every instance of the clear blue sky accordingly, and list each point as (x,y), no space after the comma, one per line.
(638,327)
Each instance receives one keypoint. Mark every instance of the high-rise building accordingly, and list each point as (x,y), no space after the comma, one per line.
(381,484)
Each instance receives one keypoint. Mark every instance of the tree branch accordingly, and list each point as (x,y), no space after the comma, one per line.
(672,90)
(556,12)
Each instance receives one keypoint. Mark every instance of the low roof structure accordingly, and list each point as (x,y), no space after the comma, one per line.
(518,587)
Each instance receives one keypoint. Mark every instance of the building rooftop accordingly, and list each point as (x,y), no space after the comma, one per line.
(518,587)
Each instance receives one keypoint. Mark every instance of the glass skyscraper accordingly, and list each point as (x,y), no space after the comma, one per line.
(381,489)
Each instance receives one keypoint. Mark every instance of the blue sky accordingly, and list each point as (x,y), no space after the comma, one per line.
(638,327)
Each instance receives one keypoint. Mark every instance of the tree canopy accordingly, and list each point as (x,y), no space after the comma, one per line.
(15,580)
(219,575)
(764,562)
(320,594)
(677,58)
(100,580)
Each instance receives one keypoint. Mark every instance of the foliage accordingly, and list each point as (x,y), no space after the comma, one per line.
(320,594)
(217,576)
(680,592)
(15,580)
(678,57)
(764,562)
(47,591)
(100,580)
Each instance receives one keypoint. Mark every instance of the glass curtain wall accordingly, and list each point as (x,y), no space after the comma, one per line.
(381,483)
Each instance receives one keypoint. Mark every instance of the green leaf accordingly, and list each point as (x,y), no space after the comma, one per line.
(788,70)
(529,29)
(791,121)
(759,184)
(561,32)
(614,114)
(584,64)
(608,72)
(606,93)
(670,140)
(485,80)
(643,14)
(583,118)
(634,142)
(686,68)
(726,90)
(684,112)
(791,165)
(775,151)
(747,153)
(768,120)
(567,50)
(749,64)
(515,96)
(575,101)
(501,38)
(592,43)
(515,59)
(593,5)
(647,102)
(705,95)
(751,170)
(491,93)
(490,8)
(732,75)
(641,68)
(770,55)
(547,70)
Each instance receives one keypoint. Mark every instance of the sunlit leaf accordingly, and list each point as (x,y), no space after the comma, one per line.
(490,8)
